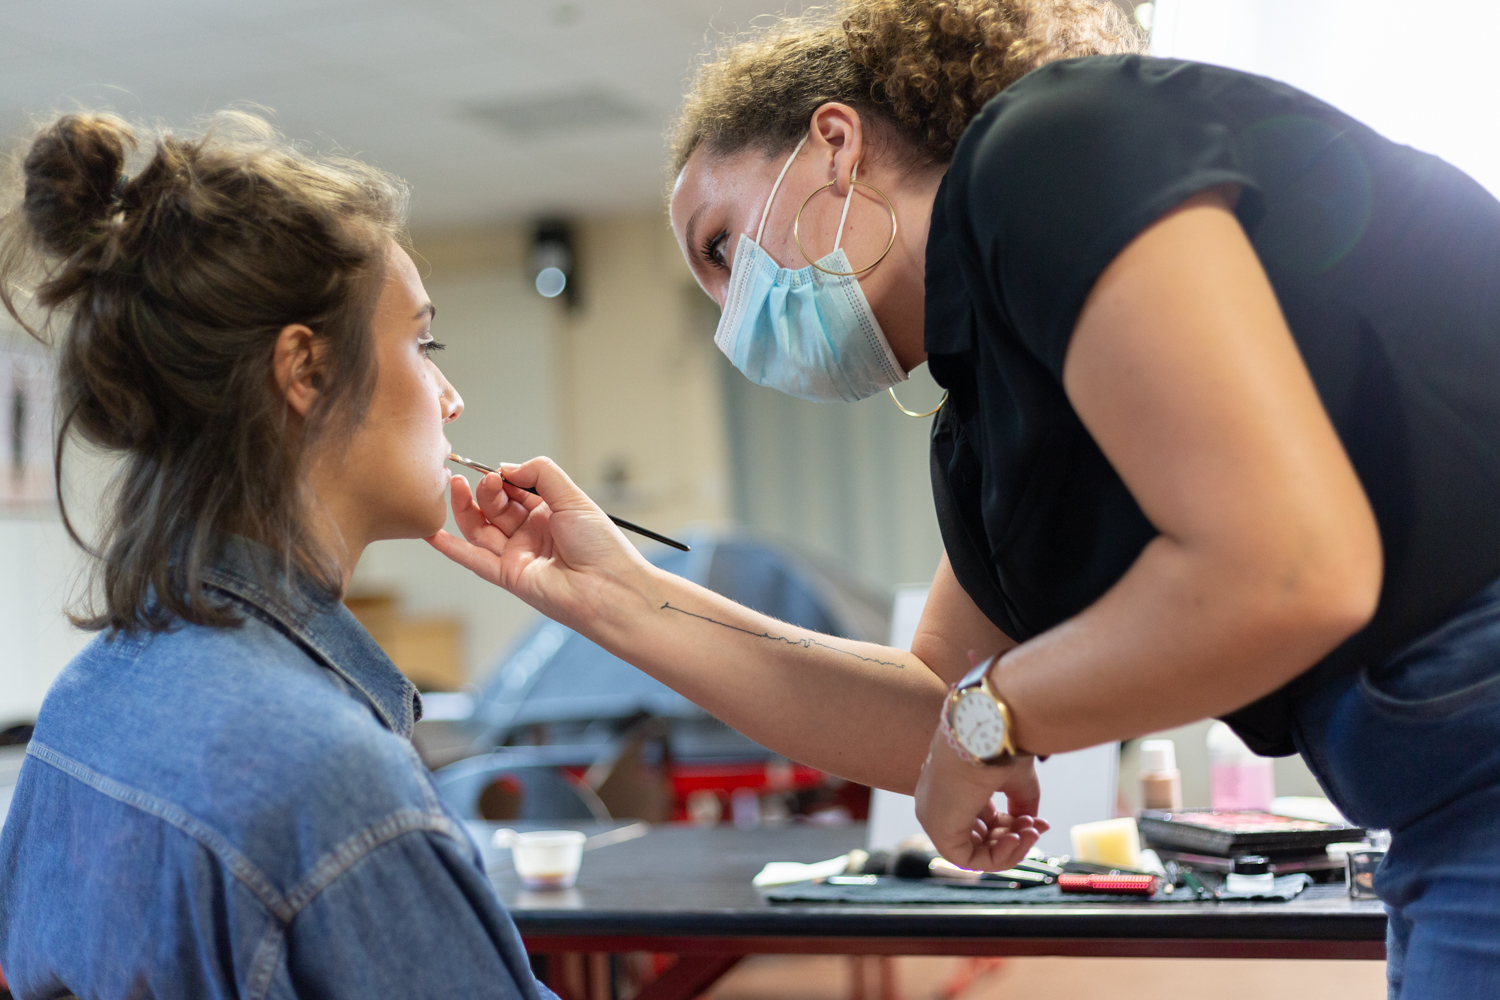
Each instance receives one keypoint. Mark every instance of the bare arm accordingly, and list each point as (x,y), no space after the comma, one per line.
(859,710)
(1182,368)
(952,627)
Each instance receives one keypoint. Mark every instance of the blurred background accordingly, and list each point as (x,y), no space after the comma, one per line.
(531,133)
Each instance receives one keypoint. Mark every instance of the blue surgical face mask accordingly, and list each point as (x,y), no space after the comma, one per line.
(805,332)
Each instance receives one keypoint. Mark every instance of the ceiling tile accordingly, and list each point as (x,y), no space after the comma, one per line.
(388,80)
(502,71)
(375,41)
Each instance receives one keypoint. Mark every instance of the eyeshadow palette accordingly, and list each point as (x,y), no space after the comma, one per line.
(1228,834)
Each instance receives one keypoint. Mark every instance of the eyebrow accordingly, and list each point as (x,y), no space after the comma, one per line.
(429,310)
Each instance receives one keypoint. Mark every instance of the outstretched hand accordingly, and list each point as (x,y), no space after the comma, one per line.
(956,806)
(554,549)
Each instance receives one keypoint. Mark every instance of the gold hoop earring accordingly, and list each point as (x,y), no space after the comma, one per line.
(914,413)
(797,223)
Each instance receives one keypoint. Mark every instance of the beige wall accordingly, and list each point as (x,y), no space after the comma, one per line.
(640,391)
(38,569)
(42,574)
(849,482)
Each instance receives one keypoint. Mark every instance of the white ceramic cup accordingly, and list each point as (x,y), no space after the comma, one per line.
(545,859)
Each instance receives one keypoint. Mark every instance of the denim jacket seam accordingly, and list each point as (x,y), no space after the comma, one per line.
(124,639)
(263,964)
(361,845)
(239,865)
(246,590)
(424,782)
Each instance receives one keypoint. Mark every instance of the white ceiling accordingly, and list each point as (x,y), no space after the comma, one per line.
(389,81)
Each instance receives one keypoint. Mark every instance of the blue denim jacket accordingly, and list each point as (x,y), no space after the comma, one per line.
(239,812)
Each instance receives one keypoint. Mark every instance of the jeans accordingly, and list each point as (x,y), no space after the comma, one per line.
(1413,746)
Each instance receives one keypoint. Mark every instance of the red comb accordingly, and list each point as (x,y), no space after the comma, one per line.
(1125,885)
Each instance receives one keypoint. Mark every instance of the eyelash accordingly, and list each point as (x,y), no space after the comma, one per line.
(428,346)
(710,250)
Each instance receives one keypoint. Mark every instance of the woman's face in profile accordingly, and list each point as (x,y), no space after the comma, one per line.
(392,472)
(719,197)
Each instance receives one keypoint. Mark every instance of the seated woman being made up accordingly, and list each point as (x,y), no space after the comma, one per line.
(220,799)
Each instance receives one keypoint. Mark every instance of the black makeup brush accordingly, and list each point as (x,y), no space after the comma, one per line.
(628,526)
(927,865)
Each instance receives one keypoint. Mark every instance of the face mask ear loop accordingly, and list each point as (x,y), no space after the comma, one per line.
(838,237)
(766,212)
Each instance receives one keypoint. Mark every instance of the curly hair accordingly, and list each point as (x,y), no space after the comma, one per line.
(170,289)
(923,68)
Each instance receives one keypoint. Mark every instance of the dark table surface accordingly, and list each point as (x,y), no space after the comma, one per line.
(686,883)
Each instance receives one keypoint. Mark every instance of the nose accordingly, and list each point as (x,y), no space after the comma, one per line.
(451,401)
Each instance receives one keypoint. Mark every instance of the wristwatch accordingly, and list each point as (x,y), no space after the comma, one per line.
(977,720)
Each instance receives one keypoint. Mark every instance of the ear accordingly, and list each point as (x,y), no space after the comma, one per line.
(838,134)
(297,367)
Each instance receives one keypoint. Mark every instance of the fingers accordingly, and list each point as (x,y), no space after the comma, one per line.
(1023,793)
(956,805)
(471,520)
(495,492)
(1004,846)
(997,824)
(550,481)
(996,841)
(504,506)
(465,511)
(481,562)
(1011,849)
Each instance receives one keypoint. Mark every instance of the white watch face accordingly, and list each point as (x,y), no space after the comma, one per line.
(977,724)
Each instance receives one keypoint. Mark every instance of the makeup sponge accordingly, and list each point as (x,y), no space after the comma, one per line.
(1114,843)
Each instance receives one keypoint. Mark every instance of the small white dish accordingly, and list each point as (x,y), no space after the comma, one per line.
(544,859)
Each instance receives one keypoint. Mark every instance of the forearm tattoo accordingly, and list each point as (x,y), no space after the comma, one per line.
(789,640)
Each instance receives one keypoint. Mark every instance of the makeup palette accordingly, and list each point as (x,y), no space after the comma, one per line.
(1230,834)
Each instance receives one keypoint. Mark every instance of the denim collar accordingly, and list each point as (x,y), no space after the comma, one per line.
(321,623)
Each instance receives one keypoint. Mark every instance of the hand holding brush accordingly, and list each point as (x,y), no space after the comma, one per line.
(620,521)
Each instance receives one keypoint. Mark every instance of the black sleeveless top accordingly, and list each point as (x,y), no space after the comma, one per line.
(1386,263)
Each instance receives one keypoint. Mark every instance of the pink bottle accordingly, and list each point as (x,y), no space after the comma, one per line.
(1237,777)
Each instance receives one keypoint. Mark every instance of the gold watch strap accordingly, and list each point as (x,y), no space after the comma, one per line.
(1008,746)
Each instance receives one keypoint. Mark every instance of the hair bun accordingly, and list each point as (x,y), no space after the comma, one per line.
(71,172)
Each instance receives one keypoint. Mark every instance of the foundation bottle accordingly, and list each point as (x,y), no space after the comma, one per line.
(1237,777)
(1161,782)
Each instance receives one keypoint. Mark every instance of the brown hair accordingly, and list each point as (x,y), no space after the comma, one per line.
(171,287)
(922,68)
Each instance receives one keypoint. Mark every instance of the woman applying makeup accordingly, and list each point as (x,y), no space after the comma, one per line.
(220,799)
(1222,434)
